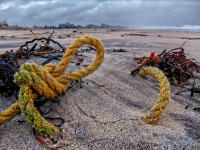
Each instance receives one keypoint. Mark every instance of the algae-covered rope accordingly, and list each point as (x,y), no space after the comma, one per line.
(49,81)
(164,97)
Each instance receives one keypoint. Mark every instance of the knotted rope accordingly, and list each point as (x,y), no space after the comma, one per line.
(49,81)
(164,97)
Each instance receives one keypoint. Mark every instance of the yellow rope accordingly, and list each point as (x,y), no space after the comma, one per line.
(49,81)
(164,97)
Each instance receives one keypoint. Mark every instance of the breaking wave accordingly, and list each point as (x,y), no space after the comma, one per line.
(192,28)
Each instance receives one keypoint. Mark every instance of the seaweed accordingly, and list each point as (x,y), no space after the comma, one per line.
(10,61)
(174,63)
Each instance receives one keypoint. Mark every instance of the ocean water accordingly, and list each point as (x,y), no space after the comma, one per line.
(189,28)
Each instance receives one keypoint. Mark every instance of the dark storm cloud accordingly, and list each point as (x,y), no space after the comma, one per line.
(131,13)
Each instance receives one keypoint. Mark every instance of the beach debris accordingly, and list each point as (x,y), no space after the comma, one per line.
(49,81)
(134,34)
(174,63)
(10,61)
(115,50)
(164,97)
(192,90)
(197,109)
(7,86)
(47,143)
(90,49)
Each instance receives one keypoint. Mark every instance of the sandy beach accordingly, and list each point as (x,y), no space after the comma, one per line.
(95,119)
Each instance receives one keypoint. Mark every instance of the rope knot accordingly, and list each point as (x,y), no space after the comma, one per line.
(49,80)
(39,79)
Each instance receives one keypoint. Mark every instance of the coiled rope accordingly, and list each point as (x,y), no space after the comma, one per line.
(49,81)
(164,97)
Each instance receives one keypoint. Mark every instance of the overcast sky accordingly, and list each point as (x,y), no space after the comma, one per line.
(130,13)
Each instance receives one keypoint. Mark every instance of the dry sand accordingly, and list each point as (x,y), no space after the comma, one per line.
(95,119)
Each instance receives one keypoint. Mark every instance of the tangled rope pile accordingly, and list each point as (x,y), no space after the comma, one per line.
(164,97)
(49,81)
